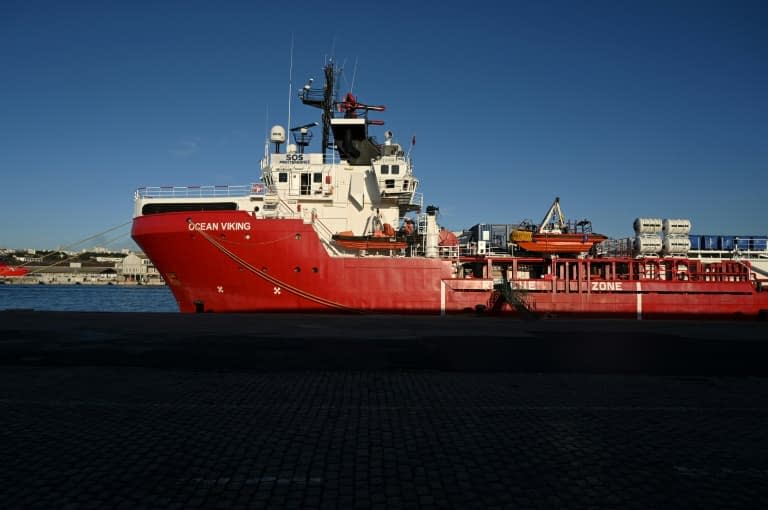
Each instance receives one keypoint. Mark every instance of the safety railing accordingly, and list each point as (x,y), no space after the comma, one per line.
(418,199)
(448,252)
(325,234)
(210,191)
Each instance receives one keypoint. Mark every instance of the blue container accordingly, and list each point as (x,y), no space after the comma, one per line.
(696,241)
(759,244)
(726,243)
(710,243)
(743,243)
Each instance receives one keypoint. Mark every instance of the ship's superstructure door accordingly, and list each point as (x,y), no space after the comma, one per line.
(306,183)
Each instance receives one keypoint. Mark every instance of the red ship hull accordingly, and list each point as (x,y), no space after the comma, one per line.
(280,265)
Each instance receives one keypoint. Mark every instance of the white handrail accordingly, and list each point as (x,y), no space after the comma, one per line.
(208,191)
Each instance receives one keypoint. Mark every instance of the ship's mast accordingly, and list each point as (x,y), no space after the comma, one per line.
(328,93)
(323,99)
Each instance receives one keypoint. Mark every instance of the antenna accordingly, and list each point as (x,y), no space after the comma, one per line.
(290,84)
(266,120)
(354,73)
(266,131)
(413,142)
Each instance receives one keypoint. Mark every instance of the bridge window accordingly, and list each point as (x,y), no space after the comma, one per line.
(317,177)
(282,177)
(384,169)
(389,183)
(395,169)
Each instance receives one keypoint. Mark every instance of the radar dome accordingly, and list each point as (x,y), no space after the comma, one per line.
(277,134)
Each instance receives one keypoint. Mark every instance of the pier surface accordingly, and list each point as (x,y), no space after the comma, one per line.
(137,410)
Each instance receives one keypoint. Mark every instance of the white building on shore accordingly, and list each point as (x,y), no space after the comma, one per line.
(138,268)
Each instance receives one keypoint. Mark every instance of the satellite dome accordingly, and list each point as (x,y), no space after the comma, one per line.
(277,134)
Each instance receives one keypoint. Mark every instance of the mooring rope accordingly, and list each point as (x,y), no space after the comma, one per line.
(76,243)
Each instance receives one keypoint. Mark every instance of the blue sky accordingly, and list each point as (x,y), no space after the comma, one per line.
(623,109)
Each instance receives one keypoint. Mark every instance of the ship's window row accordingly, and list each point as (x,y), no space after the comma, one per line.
(385,169)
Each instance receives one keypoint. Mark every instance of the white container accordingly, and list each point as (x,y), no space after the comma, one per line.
(676,227)
(647,245)
(677,245)
(647,225)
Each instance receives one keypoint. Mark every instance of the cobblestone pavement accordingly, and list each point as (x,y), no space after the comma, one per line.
(147,438)
(156,435)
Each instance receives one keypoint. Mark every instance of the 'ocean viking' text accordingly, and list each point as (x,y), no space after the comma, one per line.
(228,225)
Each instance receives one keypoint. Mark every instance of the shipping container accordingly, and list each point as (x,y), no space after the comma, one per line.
(759,244)
(726,243)
(710,243)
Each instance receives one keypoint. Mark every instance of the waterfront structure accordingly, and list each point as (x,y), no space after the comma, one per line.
(134,268)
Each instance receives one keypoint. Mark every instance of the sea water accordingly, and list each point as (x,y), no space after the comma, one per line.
(88,298)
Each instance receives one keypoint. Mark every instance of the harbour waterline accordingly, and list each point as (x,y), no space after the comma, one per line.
(87,298)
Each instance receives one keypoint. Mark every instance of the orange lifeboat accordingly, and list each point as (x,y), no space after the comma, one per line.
(556,235)
(560,243)
(380,240)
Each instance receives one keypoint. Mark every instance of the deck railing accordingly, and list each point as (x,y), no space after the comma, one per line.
(209,191)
